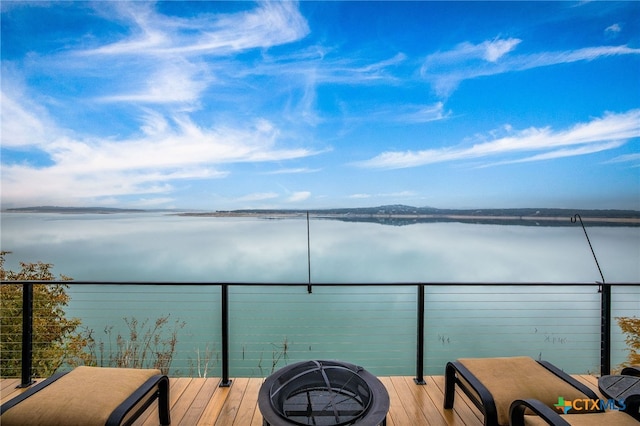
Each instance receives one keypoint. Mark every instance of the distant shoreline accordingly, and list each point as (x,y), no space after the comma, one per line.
(454,217)
(394,214)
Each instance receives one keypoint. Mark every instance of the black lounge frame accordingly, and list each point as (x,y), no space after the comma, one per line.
(486,404)
(156,387)
(519,406)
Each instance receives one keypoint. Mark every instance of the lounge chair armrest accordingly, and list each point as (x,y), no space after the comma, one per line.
(632,370)
(519,406)
(569,379)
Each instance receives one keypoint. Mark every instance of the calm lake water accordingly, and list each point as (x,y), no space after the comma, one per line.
(160,247)
(373,326)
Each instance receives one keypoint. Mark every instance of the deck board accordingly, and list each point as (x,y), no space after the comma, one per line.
(201,402)
(248,406)
(232,404)
(214,407)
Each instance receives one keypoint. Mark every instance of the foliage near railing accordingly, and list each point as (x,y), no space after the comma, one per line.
(59,341)
(145,346)
(56,338)
(630,326)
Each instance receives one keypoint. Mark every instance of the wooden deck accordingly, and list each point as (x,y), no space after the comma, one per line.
(196,401)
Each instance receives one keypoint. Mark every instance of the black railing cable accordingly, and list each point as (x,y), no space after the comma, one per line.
(605,309)
(27,317)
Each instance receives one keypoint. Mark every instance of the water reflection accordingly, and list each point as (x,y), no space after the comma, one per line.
(157,247)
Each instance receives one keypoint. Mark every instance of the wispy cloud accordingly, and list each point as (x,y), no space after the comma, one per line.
(565,152)
(163,59)
(153,34)
(168,149)
(161,62)
(419,113)
(299,196)
(184,143)
(599,134)
(445,70)
(613,29)
(24,123)
(173,81)
(627,158)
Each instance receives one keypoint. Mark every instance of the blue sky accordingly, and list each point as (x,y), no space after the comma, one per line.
(225,105)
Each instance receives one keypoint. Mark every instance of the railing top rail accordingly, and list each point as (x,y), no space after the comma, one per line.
(319,284)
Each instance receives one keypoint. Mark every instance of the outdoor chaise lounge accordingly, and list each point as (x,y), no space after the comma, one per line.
(493,384)
(623,409)
(89,396)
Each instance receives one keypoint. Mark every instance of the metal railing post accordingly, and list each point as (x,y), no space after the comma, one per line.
(27,335)
(225,336)
(419,379)
(605,308)
(605,329)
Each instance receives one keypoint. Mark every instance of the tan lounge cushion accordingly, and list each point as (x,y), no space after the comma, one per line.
(511,378)
(85,396)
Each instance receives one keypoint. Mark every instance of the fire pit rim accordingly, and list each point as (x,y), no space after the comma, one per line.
(374,413)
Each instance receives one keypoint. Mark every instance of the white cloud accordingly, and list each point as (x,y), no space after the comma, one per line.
(445,70)
(23,124)
(496,49)
(163,59)
(565,152)
(420,113)
(270,24)
(489,51)
(299,196)
(169,81)
(161,63)
(182,145)
(169,149)
(607,132)
(615,28)
(625,158)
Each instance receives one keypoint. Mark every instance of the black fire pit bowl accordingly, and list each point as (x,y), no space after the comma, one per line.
(323,393)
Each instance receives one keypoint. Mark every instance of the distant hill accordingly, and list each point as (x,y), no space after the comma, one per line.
(399,209)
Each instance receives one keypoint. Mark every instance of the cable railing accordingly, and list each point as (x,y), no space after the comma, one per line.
(250,329)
